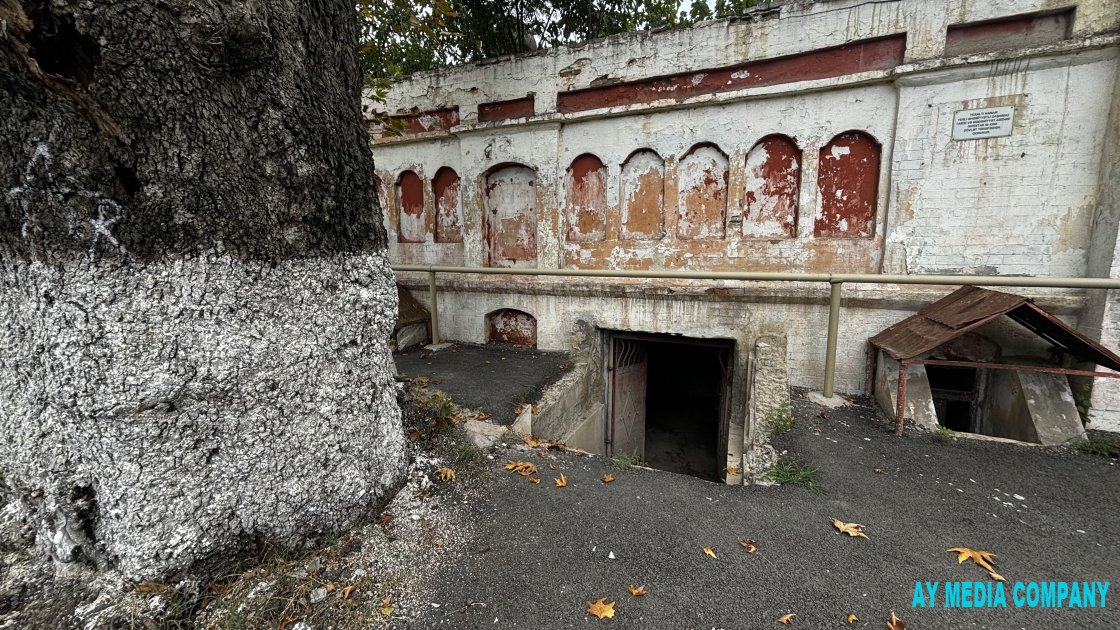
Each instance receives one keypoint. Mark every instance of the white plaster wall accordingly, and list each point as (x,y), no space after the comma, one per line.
(1017,205)
(794,27)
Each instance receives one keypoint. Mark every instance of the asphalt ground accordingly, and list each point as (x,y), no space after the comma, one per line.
(495,378)
(539,554)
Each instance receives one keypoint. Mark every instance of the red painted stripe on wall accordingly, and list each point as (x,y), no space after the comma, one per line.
(505,110)
(861,56)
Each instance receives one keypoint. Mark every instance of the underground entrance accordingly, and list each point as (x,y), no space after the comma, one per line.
(669,401)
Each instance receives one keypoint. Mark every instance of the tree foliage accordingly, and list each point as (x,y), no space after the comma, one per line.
(402,37)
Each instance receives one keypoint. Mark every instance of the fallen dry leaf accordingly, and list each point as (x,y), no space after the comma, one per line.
(638,591)
(151,587)
(384,521)
(601,608)
(851,529)
(732,470)
(535,480)
(750,545)
(522,468)
(528,439)
(852,618)
(446,474)
(386,607)
(551,466)
(711,552)
(560,481)
(607,478)
(985,559)
(787,618)
(438,542)
(894,623)
(348,590)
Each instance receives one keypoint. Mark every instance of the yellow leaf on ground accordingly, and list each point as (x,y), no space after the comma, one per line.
(601,608)
(750,545)
(348,590)
(711,552)
(386,607)
(528,439)
(535,480)
(560,481)
(522,468)
(851,529)
(732,470)
(638,591)
(787,618)
(852,618)
(985,559)
(894,623)
(607,478)
(446,474)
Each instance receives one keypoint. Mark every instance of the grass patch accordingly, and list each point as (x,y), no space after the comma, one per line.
(790,471)
(1099,444)
(779,420)
(467,460)
(626,461)
(943,434)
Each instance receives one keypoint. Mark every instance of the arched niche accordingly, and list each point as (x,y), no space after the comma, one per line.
(511,326)
(848,186)
(643,196)
(409,191)
(771,187)
(702,193)
(510,201)
(586,199)
(449,213)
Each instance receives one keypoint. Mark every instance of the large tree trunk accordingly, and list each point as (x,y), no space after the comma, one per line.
(194,292)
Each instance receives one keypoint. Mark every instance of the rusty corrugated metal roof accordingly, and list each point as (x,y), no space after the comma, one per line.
(968,308)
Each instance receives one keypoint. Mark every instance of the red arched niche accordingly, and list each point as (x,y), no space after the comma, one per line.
(702,186)
(410,208)
(509,325)
(510,194)
(585,211)
(445,191)
(643,196)
(848,183)
(771,186)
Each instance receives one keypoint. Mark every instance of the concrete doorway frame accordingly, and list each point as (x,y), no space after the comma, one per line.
(611,342)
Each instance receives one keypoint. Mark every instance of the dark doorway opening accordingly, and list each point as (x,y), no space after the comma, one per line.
(670,400)
(955,396)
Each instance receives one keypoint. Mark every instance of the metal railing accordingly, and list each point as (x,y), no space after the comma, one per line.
(835,280)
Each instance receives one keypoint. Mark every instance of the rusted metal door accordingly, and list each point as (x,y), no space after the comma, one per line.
(511,217)
(629,368)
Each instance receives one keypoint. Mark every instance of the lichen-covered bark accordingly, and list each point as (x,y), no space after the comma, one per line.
(194,294)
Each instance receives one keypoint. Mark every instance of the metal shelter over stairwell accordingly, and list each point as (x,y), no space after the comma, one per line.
(969,308)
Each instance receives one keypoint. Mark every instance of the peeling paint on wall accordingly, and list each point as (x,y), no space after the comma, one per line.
(505,110)
(702,186)
(643,196)
(586,199)
(433,120)
(449,214)
(511,216)
(848,182)
(859,56)
(771,186)
(410,205)
(512,326)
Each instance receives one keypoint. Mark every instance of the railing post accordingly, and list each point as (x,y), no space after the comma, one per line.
(830,348)
(433,306)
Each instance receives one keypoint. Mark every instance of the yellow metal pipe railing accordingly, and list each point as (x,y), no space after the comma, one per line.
(835,280)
